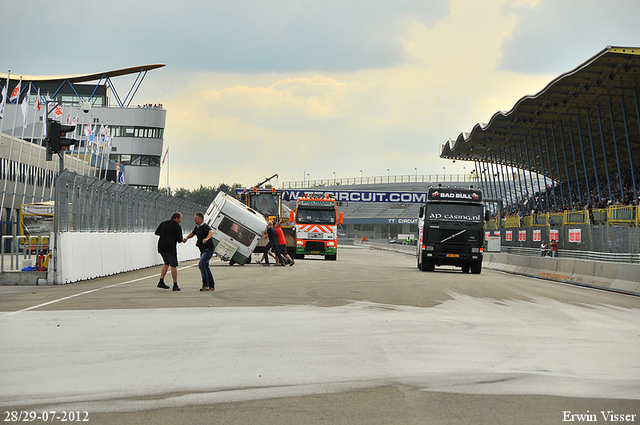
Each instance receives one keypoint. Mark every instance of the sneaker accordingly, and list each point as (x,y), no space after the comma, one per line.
(175,287)
(205,288)
(292,263)
(162,285)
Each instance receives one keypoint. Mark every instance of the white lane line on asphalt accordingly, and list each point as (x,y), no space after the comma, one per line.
(85,293)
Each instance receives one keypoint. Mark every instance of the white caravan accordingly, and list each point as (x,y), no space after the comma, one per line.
(237,229)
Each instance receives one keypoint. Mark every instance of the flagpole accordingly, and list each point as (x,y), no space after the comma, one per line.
(107,144)
(164,158)
(86,146)
(5,91)
(25,113)
(13,132)
(33,133)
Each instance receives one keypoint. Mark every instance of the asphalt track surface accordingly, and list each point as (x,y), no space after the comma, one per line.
(367,339)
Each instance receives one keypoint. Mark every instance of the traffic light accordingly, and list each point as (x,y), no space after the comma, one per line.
(56,136)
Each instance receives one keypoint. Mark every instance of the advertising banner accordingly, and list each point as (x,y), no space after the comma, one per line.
(361,195)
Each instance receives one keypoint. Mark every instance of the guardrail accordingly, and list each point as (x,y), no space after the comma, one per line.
(614,215)
(582,255)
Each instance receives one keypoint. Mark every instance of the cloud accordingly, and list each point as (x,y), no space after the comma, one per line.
(299,87)
(214,35)
(555,36)
(299,123)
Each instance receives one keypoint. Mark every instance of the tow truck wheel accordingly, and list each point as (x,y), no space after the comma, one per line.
(331,257)
(465,269)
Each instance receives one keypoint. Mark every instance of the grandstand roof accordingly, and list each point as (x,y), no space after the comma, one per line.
(601,94)
(83,78)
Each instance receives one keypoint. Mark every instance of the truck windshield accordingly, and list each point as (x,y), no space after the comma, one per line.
(459,213)
(266,204)
(316,215)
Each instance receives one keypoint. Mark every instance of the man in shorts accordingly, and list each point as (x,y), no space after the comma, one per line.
(170,233)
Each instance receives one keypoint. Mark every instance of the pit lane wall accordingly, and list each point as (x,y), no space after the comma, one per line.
(618,277)
(83,255)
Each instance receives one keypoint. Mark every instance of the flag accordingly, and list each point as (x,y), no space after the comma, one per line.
(25,106)
(16,92)
(107,138)
(165,155)
(37,104)
(75,123)
(91,133)
(87,129)
(4,98)
(58,110)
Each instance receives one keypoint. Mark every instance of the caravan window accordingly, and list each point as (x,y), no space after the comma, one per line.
(236,231)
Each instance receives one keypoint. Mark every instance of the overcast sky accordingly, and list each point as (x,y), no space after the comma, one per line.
(301,87)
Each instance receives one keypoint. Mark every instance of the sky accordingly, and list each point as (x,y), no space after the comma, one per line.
(316,89)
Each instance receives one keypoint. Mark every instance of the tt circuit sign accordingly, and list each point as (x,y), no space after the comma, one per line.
(364,196)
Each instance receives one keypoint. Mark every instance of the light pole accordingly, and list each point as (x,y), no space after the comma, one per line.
(444,174)
(416,170)
(388,175)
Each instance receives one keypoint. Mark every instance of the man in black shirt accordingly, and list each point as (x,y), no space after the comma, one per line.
(203,234)
(170,234)
(270,233)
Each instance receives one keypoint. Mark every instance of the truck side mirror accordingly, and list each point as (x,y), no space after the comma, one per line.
(421,212)
(290,216)
(340,218)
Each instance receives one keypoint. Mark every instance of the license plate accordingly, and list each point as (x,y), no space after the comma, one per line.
(453,255)
(315,252)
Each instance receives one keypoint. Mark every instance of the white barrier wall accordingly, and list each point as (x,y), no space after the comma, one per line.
(620,277)
(83,256)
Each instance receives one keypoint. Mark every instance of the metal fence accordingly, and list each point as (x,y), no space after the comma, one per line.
(87,204)
(613,242)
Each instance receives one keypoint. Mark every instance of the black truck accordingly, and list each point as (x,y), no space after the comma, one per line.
(451,227)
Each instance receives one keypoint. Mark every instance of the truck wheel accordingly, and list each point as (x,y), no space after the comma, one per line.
(465,269)
(476,267)
(332,257)
(426,266)
(298,256)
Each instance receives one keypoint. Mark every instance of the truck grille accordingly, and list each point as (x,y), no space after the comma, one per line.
(437,235)
(315,246)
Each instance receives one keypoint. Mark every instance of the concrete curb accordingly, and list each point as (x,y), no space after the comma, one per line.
(618,277)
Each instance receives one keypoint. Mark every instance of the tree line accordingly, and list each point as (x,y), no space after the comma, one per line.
(203,195)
